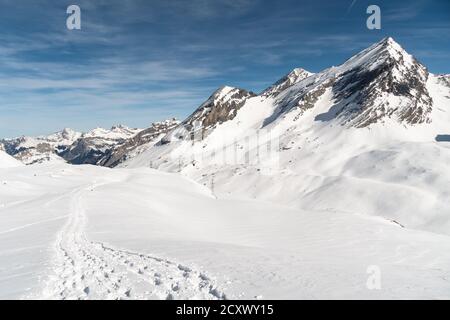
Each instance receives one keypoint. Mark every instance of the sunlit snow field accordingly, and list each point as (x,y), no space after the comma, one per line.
(139,233)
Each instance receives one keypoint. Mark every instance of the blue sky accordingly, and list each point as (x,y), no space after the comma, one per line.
(139,61)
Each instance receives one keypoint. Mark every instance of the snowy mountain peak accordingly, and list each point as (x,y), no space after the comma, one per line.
(226,93)
(391,45)
(220,107)
(382,82)
(388,41)
(295,76)
(69,134)
(223,99)
(168,122)
(67,131)
(118,127)
(223,90)
(137,144)
(384,51)
(116,132)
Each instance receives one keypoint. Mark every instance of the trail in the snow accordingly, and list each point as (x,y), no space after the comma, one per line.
(90,270)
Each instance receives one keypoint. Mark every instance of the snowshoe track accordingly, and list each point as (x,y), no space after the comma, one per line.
(92,270)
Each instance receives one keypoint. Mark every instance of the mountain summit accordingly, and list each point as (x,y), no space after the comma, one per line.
(295,76)
(382,82)
(220,107)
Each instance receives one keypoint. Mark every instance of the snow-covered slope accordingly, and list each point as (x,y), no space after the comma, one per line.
(366,137)
(6,161)
(143,234)
(295,76)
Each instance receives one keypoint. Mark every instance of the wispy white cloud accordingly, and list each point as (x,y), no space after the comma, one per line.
(405,12)
(350,7)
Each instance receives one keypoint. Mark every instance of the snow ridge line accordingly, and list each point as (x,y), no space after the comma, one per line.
(91,270)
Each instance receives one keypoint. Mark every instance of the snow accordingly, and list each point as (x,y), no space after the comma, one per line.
(224,93)
(66,137)
(90,232)
(295,76)
(377,54)
(33,150)
(62,138)
(6,161)
(115,133)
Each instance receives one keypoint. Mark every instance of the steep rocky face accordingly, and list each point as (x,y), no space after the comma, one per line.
(382,82)
(220,107)
(391,84)
(84,151)
(301,97)
(287,81)
(135,145)
(41,152)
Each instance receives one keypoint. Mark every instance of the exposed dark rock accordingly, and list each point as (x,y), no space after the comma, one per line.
(122,152)
(220,107)
(444,79)
(83,151)
(362,87)
(382,82)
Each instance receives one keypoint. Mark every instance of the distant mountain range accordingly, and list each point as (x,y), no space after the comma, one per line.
(99,146)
